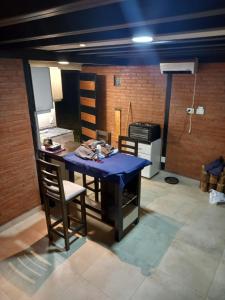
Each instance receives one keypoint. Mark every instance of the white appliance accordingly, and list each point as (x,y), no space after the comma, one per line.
(179,67)
(151,152)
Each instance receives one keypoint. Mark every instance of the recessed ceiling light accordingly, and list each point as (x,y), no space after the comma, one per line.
(82,45)
(63,62)
(142,39)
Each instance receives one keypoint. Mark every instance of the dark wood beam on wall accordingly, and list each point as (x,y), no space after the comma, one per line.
(31,103)
(56,11)
(166,116)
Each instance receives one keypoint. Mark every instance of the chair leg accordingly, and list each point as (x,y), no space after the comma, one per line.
(84,182)
(68,213)
(83,212)
(65,226)
(48,217)
(96,185)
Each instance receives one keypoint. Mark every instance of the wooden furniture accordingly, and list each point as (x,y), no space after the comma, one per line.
(65,193)
(120,187)
(121,206)
(128,145)
(103,135)
(58,158)
(88,106)
(114,210)
(94,184)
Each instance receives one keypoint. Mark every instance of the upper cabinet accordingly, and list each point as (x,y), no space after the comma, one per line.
(56,84)
(42,88)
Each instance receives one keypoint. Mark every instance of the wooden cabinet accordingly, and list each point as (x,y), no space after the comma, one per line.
(121,207)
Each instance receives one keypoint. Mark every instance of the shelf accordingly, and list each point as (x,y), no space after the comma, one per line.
(130,214)
(128,198)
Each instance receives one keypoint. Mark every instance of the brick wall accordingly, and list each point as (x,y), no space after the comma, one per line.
(18,182)
(187,152)
(145,88)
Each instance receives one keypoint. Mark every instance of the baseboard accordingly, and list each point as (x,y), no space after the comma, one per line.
(20,218)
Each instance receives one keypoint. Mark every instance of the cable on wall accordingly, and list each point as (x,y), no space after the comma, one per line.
(192,105)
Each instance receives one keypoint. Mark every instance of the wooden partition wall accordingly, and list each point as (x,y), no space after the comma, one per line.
(88,113)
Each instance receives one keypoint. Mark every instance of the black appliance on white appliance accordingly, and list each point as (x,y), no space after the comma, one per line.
(149,145)
(144,132)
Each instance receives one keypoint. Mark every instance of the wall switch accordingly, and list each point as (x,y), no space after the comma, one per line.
(163,159)
(190,110)
(200,110)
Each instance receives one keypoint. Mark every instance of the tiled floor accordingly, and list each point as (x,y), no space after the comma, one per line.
(181,243)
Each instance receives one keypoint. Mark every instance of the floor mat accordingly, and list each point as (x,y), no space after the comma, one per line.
(145,245)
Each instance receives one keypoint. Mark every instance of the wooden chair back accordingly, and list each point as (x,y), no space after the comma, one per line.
(50,180)
(128,145)
(103,135)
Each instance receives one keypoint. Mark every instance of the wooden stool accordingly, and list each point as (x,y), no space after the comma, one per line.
(65,193)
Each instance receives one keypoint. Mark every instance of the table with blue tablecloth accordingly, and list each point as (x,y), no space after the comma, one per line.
(120,175)
(118,168)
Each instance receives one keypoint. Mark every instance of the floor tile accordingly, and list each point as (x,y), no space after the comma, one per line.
(4,296)
(84,290)
(117,279)
(174,206)
(180,231)
(217,289)
(159,286)
(65,283)
(203,236)
(189,266)
(86,256)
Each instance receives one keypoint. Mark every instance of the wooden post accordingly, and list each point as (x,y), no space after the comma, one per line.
(117,128)
(204,181)
(128,114)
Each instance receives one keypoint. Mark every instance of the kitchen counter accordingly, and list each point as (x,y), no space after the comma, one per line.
(58,135)
(53,132)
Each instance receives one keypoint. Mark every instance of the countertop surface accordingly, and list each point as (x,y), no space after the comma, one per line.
(53,132)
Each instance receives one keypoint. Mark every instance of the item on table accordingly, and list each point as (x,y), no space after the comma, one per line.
(47,142)
(94,150)
(53,147)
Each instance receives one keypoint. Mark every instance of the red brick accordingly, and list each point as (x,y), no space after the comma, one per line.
(18,188)
(145,87)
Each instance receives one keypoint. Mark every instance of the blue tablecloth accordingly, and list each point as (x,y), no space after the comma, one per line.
(118,168)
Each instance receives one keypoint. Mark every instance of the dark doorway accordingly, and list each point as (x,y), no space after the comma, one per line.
(68,110)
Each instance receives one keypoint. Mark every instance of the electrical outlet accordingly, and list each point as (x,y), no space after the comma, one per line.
(190,110)
(200,110)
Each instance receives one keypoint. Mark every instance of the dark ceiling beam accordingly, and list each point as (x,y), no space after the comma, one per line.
(108,53)
(56,11)
(94,48)
(178,51)
(29,54)
(94,43)
(184,17)
(89,50)
(165,38)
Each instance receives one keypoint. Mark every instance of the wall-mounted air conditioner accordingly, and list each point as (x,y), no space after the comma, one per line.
(189,67)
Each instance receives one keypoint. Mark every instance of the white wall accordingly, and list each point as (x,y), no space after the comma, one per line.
(48,119)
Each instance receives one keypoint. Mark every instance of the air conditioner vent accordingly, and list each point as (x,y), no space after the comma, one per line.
(189,67)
